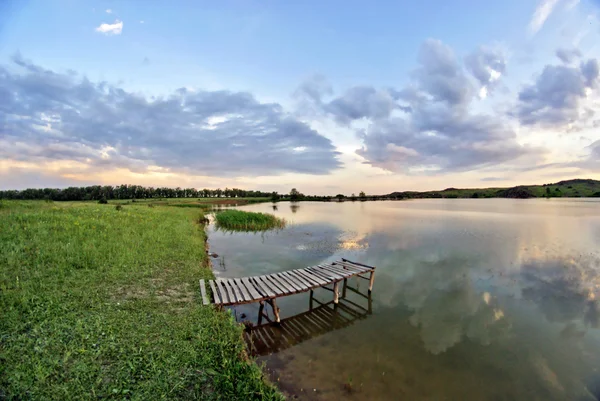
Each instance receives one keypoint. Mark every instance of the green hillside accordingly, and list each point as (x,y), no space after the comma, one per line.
(564,189)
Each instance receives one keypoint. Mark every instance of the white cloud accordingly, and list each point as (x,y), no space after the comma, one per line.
(111,29)
(109,11)
(142,21)
(541,14)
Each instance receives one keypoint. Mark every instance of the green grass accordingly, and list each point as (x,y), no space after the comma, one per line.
(102,303)
(238,220)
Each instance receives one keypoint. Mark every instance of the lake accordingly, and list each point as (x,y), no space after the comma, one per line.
(474,299)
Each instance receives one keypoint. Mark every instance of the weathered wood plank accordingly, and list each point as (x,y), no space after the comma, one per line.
(321,273)
(288,288)
(312,276)
(251,289)
(297,283)
(290,282)
(274,287)
(236,290)
(325,270)
(340,274)
(242,288)
(306,284)
(205,300)
(222,292)
(226,290)
(350,266)
(344,272)
(263,287)
(215,292)
(358,264)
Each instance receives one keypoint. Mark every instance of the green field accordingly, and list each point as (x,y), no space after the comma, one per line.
(103,303)
(238,220)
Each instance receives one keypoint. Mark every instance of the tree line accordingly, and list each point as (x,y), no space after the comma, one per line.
(97,192)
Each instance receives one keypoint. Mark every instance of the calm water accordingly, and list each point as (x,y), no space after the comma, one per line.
(473,299)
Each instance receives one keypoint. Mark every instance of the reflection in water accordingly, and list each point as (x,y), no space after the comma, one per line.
(294,207)
(473,300)
(269,338)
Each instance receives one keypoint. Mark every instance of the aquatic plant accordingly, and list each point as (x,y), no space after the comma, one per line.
(238,220)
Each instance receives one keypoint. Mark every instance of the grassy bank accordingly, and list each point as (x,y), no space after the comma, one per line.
(238,220)
(102,303)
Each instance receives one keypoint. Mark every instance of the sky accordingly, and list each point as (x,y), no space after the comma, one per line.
(327,97)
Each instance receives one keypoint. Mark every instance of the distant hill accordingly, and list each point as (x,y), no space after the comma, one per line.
(564,189)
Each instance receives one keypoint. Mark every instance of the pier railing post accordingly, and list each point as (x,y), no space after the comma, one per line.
(371,280)
(344,288)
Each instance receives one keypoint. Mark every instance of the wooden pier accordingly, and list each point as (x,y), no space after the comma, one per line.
(268,287)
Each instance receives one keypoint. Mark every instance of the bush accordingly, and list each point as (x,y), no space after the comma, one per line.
(118,207)
(103,201)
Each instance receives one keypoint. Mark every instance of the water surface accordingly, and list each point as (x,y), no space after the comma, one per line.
(491,299)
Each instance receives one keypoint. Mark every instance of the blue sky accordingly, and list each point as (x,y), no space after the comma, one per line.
(531,119)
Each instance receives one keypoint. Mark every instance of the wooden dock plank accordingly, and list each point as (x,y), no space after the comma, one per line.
(322,273)
(222,292)
(216,296)
(282,283)
(245,294)
(316,280)
(226,292)
(294,280)
(205,300)
(236,290)
(274,287)
(300,279)
(340,274)
(358,264)
(342,271)
(262,287)
(362,269)
(290,282)
(251,288)
(334,273)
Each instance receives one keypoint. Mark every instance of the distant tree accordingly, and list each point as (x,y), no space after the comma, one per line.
(353,197)
(340,197)
(274,197)
(362,196)
(295,194)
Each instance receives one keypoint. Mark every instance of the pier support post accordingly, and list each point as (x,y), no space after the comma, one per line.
(260,312)
(310,303)
(275,310)
(371,280)
(335,292)
(344,288)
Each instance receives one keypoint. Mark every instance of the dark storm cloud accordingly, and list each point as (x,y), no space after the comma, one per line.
(484,64)
(567,56)
(436,133)
(556,98)
(46,115)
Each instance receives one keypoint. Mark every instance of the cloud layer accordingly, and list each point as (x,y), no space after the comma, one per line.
(557,98)
(49,116)
(427,127)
